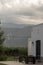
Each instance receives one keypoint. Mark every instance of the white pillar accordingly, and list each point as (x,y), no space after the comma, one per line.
(29,47)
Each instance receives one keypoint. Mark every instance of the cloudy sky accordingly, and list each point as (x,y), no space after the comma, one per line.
(21,11)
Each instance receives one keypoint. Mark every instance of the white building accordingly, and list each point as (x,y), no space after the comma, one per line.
(37,41)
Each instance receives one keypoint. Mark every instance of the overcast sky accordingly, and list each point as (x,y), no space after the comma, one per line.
(21,11)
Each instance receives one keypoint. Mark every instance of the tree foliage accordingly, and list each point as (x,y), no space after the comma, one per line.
(1,37)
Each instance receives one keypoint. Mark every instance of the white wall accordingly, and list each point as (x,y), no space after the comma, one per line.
(37,34)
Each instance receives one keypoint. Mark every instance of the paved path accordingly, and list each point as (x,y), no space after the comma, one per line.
(12,63)
(17,63)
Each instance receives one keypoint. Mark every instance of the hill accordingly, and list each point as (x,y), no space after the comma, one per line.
(17,35)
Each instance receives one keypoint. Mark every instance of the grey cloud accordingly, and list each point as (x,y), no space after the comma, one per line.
(33,12)
(27,12)
(40,8)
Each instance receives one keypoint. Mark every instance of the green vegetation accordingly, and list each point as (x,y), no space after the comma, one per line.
(2,56)
(1,37)
(12,58)
(2,64)
(10,53)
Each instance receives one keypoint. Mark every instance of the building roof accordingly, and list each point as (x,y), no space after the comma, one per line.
(38,25)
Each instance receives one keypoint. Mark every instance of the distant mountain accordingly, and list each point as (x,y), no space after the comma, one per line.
(16,35)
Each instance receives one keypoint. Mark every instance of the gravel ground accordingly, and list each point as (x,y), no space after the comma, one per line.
(18,63)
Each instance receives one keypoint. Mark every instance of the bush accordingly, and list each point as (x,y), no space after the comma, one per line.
(26,59)
(2,64)
(20,59)
(3,58)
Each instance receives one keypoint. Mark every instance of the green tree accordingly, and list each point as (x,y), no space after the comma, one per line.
(2,38)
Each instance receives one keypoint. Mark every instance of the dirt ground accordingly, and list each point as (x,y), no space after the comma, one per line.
(18,63)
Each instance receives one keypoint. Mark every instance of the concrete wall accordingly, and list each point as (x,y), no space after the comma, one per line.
(37,34)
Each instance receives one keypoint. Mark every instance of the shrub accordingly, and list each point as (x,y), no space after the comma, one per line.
(3,58)
(20,59)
